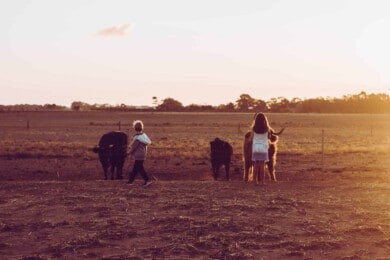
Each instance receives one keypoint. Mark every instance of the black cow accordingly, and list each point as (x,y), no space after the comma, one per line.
(112,151)
(221,154)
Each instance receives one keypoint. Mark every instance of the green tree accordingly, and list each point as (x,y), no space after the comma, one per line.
(170,104)
(279,104)
(78,105)
(245,102)
(260,106)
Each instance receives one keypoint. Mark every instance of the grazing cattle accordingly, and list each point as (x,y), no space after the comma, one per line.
(221,154)
(272,151)
(112,151)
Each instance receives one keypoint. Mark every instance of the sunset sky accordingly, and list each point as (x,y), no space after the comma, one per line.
(201,52)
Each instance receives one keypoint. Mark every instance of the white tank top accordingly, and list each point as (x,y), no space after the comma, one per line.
(260,143)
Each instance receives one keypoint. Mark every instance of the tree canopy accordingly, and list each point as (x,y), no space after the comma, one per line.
(357,103)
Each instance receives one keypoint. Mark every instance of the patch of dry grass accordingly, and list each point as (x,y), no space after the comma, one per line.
(180,141)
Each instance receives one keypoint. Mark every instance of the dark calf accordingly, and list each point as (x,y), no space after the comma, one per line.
(221,154)
(112,150)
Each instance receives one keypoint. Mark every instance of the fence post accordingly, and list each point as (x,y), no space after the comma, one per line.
(119,125)
(322,150)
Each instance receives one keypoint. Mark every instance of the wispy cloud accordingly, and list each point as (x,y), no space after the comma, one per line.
(120,30)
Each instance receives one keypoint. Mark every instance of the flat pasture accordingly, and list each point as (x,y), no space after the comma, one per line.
(331,200)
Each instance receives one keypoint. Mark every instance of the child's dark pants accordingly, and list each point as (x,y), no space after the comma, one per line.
(138,168)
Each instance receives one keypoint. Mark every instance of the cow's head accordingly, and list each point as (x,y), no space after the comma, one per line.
(98,149)
(217,144)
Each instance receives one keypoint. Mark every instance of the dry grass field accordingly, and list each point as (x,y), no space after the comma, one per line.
(331,201)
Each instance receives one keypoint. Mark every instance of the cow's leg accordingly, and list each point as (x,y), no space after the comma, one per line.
(105,169)
(103,158)
(119,174)
(272,161)
(271,169)
(245,176)
(112,171)
(119,170)
(247,167)
(227,169)
(215,171)
(250,173)
(255,173)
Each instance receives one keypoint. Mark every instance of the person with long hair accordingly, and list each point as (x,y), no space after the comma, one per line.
(260,130)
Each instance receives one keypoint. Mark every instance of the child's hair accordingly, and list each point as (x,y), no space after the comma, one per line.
(260,124)
(138,125)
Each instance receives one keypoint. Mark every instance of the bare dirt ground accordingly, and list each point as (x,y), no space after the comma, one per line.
(308,216)
(54,207)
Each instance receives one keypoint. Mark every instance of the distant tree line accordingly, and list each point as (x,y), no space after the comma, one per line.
(29,107)
(82,106)
(359,103)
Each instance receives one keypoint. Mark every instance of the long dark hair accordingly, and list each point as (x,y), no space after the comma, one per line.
(260,124)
